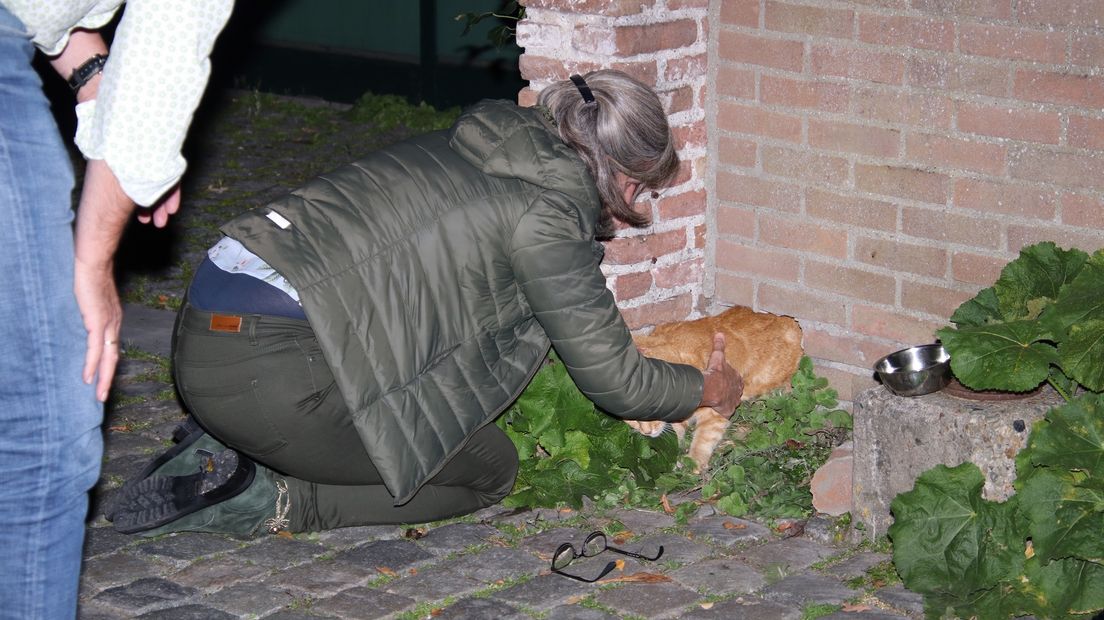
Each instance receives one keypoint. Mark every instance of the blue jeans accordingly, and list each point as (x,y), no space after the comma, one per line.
(50,441)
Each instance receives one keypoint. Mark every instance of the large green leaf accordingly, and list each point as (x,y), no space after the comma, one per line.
(1063,588)
(1078,320)
(1031,282)
(983,309)
(1072,437)
(1066,514)
(1002,356)
(947,539)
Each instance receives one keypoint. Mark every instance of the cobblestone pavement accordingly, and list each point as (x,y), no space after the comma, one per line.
(494,564)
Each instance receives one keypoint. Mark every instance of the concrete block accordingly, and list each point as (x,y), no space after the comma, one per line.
(898,438)
(832,482)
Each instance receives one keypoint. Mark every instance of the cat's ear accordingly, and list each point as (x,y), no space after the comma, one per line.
(643,350)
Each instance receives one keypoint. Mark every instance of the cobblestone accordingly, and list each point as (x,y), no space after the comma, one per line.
(493,564)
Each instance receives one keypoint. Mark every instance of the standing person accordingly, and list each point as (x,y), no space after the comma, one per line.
(348,347)
(134,105)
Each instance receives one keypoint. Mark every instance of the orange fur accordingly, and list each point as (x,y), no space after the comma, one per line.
(765,349)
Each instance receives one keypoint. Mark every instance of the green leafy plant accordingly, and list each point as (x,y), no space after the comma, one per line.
(511,12)
(1040,552)
(390,111)
(568,451)
(1043,320)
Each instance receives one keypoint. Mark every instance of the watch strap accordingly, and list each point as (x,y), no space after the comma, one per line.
(86,71)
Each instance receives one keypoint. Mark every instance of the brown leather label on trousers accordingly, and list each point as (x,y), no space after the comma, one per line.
(226,323)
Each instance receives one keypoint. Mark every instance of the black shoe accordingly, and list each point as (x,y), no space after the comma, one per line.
(157,500)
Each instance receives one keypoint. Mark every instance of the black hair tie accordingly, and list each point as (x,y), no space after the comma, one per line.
(584,90)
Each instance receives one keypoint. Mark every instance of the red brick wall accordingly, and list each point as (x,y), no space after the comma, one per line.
(862,165)
(875,162)
(657,274)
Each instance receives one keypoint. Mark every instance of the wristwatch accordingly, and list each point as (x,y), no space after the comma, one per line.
(86,71)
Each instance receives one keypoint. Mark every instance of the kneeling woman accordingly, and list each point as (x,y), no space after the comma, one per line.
(347,348)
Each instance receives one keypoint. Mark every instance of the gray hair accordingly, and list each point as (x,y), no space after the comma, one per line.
(623,130)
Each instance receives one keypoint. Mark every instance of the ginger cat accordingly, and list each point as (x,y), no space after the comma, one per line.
(765,349)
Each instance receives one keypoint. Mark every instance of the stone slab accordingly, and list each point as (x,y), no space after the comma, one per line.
(898,438)
(721,576)
(481,609)
(803,589)
(362,604)
(651,600)
(147,329)
(750,609)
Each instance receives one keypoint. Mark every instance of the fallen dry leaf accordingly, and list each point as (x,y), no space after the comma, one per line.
(566,510)
(285,534)
(619,565)
(729,525)
(414,533)
(707,605)
(622,537)
(666,504)
(859,607)
(638,578)
(387,571)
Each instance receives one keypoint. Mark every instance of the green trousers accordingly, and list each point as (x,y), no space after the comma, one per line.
(260,385)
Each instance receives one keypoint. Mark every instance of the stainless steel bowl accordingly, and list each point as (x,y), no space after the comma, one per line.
(916,370)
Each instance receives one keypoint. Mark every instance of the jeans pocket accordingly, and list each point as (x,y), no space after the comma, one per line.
(237,418)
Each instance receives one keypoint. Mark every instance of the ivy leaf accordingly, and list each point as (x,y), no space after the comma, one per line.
(732,505)
(947,539)
(1031,282)
(1003,356)
(1066,515)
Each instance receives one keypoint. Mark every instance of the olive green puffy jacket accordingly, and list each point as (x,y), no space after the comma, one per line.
(436,272)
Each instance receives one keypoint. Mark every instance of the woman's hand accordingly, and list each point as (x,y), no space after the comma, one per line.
(723,386)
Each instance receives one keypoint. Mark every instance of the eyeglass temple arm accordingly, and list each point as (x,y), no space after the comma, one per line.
(636,555)
(605,571)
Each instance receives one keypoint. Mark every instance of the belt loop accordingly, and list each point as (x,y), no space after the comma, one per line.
(253,320)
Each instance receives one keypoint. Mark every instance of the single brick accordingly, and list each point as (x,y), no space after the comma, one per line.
(1061,88)
(992,9)
(937,300)
(854,138)
(800,93)
(907,183)
(758,261)
(802,302)
(1004,198)
(804,165)
(774,52)
(893,105)
(1085,211)
(897,255)
(740,13)
(802,235)
(809,20)
(949,73)
(732,116)
(1010,43)
(851,210)
(892,324)
(850,282)
(831,483)
(858,63)
(1086,132)
(755,191)
(902,31)
(1017,123)
(655,37)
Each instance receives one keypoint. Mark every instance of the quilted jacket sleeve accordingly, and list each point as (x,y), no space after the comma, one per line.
(557,266)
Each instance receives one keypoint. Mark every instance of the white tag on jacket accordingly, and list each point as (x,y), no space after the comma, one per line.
(278,219)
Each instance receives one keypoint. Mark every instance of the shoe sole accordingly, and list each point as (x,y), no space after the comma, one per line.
(159,500)
(186,434)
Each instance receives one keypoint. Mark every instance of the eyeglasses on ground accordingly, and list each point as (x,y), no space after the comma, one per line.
(594,544)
